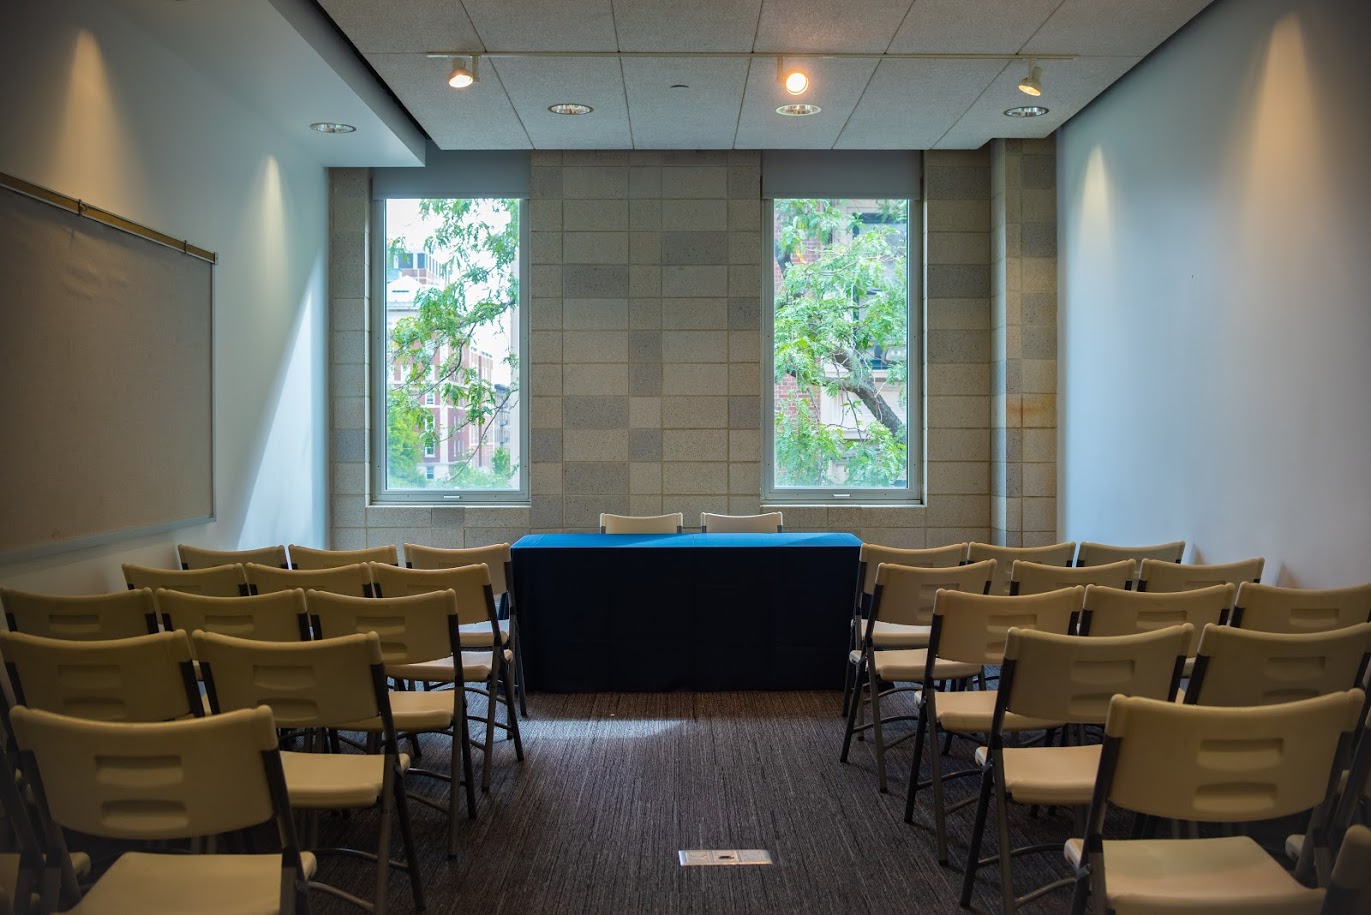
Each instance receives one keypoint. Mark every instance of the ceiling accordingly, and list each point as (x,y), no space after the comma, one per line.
(730,101)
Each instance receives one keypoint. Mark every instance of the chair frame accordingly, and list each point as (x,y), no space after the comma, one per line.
(642,524)
(1219,573)
(1112,553)
(190,580)
(311,559)
(1342,602)
(195,557)
(1006,556)
(743,524)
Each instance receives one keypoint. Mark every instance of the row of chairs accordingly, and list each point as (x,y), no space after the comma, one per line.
(417,556)
(673,523)
(968,631)
(152,678)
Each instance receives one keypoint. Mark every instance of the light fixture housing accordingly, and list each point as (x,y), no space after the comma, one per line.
(464,75)
(793,79)
(1026,111)
(570,108)
(332,127)
(798,110)
(1032,84)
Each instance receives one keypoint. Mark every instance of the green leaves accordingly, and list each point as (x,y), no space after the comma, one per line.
(840,304)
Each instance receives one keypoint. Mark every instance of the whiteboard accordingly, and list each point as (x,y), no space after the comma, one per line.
(106,410)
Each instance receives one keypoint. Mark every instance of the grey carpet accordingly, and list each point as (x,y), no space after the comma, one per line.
(613,785)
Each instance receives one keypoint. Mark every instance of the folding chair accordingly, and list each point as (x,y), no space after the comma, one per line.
(121,615)
(1056,554)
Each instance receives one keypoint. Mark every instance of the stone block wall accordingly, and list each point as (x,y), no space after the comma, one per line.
(645,307)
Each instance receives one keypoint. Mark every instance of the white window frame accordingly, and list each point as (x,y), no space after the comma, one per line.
(912,492)
(380,370)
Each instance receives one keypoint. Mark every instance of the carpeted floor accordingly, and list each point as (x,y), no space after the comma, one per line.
(613,785)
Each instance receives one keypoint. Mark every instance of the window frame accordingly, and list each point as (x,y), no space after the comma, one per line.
(912,492)
(379,370)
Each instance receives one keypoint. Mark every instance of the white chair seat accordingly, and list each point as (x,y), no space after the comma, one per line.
(205,884)
(412,710)
(972,710)
(908,666)
(1062,776)
(1230,874)
(477,635)
(898,635)
(335,780)
(475,666)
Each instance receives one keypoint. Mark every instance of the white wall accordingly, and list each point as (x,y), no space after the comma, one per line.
(96,109)
(1215,338)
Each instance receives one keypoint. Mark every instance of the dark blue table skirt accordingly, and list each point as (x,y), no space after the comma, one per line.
(648,612)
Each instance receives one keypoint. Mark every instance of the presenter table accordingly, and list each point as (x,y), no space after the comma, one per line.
(648,612)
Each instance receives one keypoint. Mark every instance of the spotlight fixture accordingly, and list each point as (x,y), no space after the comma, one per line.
(798,110)
(1026,111)
(570,108)
(793,79)
(1032,83)
(463,75)
(332,127)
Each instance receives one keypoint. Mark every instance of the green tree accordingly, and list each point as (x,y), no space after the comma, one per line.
(841,304)
(480,240)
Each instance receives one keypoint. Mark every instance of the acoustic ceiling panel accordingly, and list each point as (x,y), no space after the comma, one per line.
(544,25)
(478,117)
(910,104)
(686,25)
(414,25)
(534,85)
(835,85)
(970,26)
(1112,28)
(704,115)
(820,25)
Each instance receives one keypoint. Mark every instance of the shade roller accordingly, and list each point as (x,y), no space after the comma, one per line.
(841,173)
(457,173)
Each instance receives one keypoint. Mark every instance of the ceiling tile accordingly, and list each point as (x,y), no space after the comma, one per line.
(703,116)
(821,25)
(910,104)
(835,85)
(408,26)
(686,25)
(1122,28)
(478,117)
(970,26)
(1068,86)
(532,85)
(543,25)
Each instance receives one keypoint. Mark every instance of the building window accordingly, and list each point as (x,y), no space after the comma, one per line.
(840,355)
(448,296)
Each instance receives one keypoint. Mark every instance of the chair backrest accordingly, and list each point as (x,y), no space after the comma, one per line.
(197,557)
(1154,575)
(215,581)
(413,628)
(1114,611)
(81,617)
(169,780)
(641,524)
(1242,667)
(352,579)
(768,523)
(317,684)
(1349,893)
(1098,554)
(938,557)
(1056,554)
(972,627)
(1212,764)
(310,559)
(905,595)
(1068,678)
(470,585)
(1267,608)
(496,557)
(145,678)
(1035,577)
(275,617)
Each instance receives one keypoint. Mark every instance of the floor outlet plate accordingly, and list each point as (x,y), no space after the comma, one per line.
(723,857)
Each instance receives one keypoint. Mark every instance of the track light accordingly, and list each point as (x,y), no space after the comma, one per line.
(793,78)
(462,76)
(1032,83)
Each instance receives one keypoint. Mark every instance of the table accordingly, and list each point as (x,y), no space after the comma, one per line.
(650,612)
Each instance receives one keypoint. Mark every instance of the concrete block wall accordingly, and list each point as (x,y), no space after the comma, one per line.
(1024,342)
(645,307)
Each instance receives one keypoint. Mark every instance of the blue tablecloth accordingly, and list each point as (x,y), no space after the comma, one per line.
(653,612)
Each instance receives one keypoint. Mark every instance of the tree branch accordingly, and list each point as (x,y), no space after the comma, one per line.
(866,392)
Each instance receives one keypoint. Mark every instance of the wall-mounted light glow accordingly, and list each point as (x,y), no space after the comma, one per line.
(463,75)
(795,80)
(1032,84)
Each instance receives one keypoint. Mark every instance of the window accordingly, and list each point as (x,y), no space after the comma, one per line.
(449,414)
(840,332)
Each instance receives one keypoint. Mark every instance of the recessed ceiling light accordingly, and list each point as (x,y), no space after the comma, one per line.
(798,110)
(332,127)
(1026,111)
(570,108)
